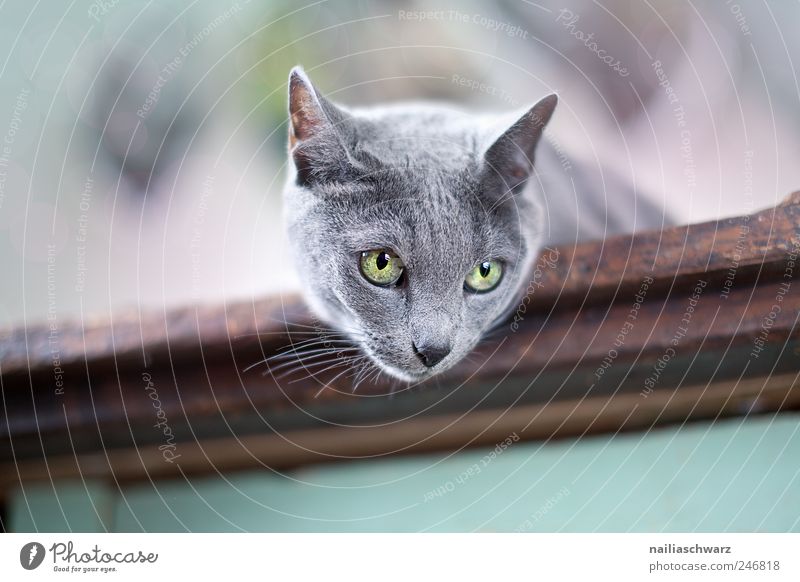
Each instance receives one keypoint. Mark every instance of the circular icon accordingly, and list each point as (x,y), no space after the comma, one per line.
(31,555)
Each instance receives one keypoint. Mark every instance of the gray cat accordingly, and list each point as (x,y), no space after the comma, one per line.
(414,226)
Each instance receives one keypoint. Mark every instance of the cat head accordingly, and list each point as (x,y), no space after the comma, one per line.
(412,227)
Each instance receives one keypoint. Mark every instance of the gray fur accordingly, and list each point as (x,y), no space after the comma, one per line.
(444,189)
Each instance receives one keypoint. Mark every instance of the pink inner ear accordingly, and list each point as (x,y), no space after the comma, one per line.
(306,115)
(304,122)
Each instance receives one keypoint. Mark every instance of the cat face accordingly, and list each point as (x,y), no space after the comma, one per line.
(411,227)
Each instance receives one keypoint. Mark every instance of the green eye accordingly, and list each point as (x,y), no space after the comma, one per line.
(381,267)
(484,276)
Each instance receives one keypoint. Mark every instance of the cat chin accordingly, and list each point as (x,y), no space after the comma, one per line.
(403,375)
(397,373)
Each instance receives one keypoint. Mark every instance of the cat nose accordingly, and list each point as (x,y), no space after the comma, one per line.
(431,354)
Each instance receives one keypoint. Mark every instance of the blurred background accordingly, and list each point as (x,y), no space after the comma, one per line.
(142,144)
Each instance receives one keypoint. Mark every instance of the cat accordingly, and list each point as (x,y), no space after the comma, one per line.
(413,226)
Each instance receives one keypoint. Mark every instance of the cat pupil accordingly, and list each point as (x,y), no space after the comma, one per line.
(382,260)
(484,269)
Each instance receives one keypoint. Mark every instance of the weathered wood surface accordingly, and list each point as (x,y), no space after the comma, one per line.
(575,343)
(454,431)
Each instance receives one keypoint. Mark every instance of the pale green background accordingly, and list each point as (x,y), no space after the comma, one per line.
(734,475)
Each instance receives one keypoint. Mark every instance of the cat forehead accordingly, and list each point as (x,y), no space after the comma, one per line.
(415,226)
(418,137)
(416,202)
(403,177)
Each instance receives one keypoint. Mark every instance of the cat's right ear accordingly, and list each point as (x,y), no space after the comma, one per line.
(510,157)
(315,133)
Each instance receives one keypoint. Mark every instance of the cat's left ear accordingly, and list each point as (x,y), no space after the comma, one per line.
(510,157)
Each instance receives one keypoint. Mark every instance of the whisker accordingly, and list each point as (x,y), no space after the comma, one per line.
(336,364)
(289,329)
(321,390)
(302,365)
(296,358)
(290,324)
(314,342)
(300,354)
(363,374)
(324,337)
(318,327)
(312,360)
(254,364)
(279,333)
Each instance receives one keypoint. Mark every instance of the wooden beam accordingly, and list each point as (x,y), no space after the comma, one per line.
(588,416)
(620,321)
